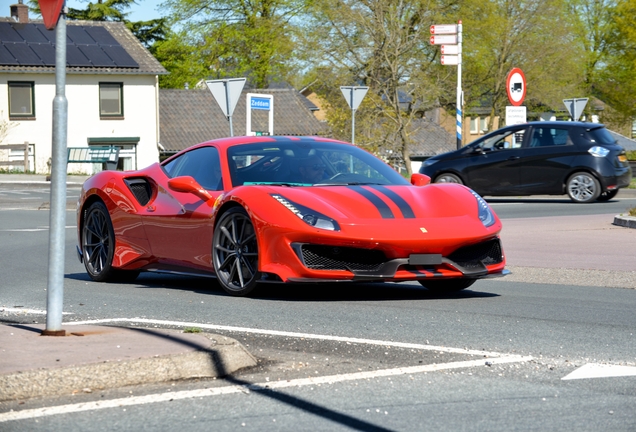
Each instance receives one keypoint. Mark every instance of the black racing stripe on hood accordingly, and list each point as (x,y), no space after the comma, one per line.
(404,207)
(384,209)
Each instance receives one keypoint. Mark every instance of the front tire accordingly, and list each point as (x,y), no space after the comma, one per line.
(448,178)
(235,253)
(98,246)
(582,187)
(447,286)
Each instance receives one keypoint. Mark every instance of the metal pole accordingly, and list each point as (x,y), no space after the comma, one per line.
(353,124)
(227,104)
(57,216)
(459,86)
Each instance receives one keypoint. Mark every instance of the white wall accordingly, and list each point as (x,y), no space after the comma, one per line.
(82,93)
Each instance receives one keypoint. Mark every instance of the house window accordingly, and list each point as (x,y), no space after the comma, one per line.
(474,125)
(483,124)
(21,100)
(111,100)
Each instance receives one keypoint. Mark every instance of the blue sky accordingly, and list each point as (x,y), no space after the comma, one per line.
(143,10)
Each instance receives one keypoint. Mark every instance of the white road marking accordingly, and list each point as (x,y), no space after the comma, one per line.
(34,229)
(294,335)
(29,311)
(189,394)
(597,370)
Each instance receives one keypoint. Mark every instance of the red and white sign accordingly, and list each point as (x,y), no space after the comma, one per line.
(50,10)
(450,49)
(449,60)
(444,39)
(516,86)
(444,29)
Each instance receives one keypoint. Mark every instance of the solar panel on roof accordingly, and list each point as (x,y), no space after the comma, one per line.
(75,57)
(29,33)
(78,35)
(45,51)
(6,58)
(23,53)
(101,35)
(87,46)
(8,34)
(96,55)
(120,56)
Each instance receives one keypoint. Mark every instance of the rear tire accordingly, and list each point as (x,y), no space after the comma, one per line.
(448,178)
(582,187)
(447,286)
(607,195)
(98,246)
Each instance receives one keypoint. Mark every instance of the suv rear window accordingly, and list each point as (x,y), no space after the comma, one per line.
(601,136)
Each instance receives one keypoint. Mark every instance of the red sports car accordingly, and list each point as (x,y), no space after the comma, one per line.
(249,210)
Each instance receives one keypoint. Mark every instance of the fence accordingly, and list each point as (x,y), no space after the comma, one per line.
(24,162)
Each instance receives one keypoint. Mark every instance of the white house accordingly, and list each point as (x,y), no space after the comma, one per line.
(111,87)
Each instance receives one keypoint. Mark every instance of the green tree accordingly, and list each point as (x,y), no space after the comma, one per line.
(383,44)
(237,38)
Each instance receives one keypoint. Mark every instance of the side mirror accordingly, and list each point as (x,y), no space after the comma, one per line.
(187,184)
(418,179)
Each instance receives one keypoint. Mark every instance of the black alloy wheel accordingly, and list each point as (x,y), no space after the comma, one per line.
(98,246)
(447,286)
(235,253)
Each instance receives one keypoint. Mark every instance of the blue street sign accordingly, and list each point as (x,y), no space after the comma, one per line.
(260,103)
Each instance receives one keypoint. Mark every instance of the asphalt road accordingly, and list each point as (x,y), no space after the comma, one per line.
(354,341)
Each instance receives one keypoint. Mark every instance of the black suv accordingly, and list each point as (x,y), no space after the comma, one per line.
(538,158)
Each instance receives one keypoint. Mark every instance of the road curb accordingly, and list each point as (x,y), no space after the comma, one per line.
(225,356)
(625,221)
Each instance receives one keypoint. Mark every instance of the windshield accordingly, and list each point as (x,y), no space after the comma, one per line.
(308,163)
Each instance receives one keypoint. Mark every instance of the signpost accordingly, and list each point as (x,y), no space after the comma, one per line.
(353,96)
(54,19)
(261,102)
(449,36)
(226,92)
(575,107)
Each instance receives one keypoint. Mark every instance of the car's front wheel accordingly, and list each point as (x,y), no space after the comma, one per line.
(448,178)
(235,252)
(98,246)
(582,187)
(446,286)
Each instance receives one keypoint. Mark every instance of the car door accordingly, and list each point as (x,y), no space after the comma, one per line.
(178,224)
(493,167)
(546,160)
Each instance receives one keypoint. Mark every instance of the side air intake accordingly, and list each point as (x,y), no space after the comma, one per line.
(140,188)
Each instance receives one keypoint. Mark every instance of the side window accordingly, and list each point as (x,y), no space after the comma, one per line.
(202,164)
(111,100)
(545,137)
(21,100)
(504,141)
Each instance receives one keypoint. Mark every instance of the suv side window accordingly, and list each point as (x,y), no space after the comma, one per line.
(506,140)
(546,137)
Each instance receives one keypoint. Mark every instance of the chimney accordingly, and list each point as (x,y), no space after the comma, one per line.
(20,12)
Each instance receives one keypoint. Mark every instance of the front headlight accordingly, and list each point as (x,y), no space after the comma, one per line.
(307,215)
(486,216)
(598,151)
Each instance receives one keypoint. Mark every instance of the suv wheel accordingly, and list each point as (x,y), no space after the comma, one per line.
(448,178)
(582,187)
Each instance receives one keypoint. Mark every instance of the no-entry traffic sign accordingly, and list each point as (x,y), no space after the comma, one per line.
(516,86)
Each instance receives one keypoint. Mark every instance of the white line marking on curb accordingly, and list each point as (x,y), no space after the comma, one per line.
(597,370)
(172,396)
(294,334)
(29,311)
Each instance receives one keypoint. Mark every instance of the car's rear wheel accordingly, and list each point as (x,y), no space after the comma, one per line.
(98,246)
(235,253)
(448,178)
(448,285)
(582,187)
(607,195)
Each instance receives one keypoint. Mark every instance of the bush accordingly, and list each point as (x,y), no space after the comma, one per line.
(631,155)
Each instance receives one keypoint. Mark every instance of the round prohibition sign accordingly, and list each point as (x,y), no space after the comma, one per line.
(516,86)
